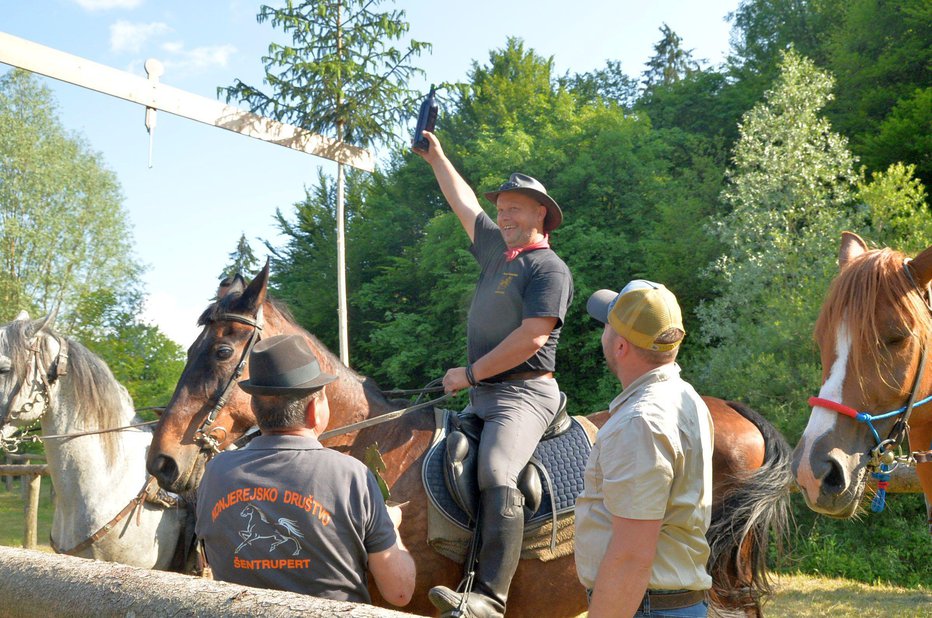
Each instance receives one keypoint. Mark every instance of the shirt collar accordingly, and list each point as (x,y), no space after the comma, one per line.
(660,374)
(543,243)
(284,442)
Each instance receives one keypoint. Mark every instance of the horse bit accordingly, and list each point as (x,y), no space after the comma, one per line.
(205,434)
(883,460)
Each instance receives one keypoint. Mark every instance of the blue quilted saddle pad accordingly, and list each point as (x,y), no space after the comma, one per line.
(564,457)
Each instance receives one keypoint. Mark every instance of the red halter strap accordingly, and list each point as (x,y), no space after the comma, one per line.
(833,405)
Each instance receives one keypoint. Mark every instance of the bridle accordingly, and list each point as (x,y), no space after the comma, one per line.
(882,457)
(210,438)
(39,380)
(882,453)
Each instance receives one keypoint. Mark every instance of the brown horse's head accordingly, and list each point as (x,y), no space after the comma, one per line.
(208,411)
(871,332)
(183,437)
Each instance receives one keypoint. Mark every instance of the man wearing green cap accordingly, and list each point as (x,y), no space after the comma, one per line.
(286,513)
(513,326)
(647,499)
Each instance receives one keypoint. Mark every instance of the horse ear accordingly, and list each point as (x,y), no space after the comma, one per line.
(228,285)
(254,294)
(851,247)
(45,323)
(22,317)
(921,265)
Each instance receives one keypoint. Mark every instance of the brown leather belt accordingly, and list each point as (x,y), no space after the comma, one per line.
(518,377)
(657,600)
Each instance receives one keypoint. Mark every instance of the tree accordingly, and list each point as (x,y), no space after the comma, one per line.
(242,260)
(610,85)
(142,359)
(790,192)
(897,214)
(670,61)
(64,236)
(340,77)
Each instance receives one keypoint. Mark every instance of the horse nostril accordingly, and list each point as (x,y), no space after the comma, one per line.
(164,469)
(834,481)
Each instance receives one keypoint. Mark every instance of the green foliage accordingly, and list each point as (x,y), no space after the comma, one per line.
(881,54)
(875,548)
(670,61)
(140,356)
(64,235)
(341,76)
(790,193)
(904,135)
(897,214)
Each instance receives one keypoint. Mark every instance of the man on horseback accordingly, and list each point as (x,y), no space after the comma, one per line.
(287,513)
(647,499)
(514,324)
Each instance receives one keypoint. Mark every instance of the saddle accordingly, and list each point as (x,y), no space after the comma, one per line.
(461,459)
(550,483)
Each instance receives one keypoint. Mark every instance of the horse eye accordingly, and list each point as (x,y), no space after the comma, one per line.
(896,338)
(224,352)
(5,366)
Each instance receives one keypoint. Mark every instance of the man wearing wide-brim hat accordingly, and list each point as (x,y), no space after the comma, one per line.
(286,513)
(514,324)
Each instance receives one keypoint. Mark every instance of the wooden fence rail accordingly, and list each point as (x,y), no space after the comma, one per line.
(38,584)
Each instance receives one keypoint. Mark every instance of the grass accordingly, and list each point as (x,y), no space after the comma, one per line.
(809,596)
(12,512)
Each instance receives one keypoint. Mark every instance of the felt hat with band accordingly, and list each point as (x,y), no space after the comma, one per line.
(284,365)
(522,183)
(640,313)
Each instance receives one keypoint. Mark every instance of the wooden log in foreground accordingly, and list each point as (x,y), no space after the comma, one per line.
(39,584)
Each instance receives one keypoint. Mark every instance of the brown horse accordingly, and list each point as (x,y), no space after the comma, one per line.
(874,332)
(208,412)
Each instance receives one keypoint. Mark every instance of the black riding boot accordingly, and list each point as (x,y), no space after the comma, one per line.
(502,524)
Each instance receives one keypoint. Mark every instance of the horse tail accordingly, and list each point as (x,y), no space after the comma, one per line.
(739,534)
(291,526)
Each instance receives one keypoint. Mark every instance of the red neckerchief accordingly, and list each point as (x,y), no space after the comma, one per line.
(544,243)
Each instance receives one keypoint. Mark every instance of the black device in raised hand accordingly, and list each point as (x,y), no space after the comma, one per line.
(426,119)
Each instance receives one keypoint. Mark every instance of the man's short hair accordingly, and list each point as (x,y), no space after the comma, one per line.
(282,411)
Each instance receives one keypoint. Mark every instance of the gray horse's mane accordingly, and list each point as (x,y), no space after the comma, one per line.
(98,398)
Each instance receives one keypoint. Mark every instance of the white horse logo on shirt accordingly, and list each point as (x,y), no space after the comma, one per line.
(261,528)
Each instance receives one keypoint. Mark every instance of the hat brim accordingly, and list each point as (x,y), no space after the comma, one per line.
(598,304)
(307,387)
(554,216)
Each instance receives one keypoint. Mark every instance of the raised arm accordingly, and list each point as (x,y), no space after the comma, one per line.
(458,193)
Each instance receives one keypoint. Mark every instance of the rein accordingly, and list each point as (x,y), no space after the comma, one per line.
(378,420)
(205,433)
(146,494)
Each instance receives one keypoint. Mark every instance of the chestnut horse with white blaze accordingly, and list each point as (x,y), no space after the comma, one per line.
(208,412)
(874,333)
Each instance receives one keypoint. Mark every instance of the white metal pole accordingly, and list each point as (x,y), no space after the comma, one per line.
(341,270)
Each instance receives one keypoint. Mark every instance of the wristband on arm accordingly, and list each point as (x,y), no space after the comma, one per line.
(469,376)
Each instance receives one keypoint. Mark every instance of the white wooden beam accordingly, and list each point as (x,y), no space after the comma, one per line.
(65,67)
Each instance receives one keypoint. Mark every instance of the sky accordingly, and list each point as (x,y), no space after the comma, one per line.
(208,186)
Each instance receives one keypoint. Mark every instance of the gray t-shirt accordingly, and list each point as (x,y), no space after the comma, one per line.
(536,284)
(288,514)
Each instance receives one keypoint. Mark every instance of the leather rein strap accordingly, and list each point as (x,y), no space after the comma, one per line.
(135,503)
